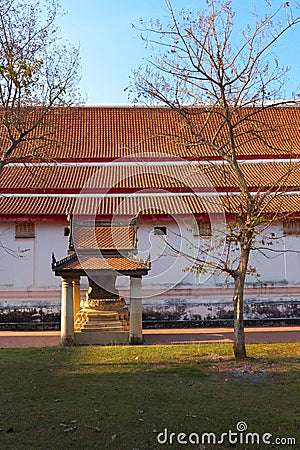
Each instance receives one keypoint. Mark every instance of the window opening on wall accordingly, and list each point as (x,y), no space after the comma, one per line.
(203,228)
(25,230)
(160,231)
(291,226)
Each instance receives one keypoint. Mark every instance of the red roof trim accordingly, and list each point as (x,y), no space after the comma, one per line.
(182,158)
(122,191)
(33,218)
(240,157)
(144,218)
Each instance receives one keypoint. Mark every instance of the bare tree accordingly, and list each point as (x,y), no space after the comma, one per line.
(37,74)
(222,83)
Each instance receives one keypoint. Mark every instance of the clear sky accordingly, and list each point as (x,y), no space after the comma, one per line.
(111,48)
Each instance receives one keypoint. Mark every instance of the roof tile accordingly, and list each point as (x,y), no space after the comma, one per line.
(93,263)
(90,179)
(30,207)
(103,238)
(106,133)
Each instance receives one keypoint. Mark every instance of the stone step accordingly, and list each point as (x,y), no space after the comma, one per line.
(88,337)
(102,319)
(102,330)
(111,315)
(103,324)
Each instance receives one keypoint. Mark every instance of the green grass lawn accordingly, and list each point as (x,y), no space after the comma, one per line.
(124,397)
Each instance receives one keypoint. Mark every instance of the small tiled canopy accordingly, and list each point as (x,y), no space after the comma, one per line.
(101,245)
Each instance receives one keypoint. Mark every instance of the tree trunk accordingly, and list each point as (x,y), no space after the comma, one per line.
(239,347)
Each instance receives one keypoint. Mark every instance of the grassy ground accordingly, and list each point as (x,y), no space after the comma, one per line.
(124,397)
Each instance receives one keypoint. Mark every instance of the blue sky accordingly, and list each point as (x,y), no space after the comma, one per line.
(111,48)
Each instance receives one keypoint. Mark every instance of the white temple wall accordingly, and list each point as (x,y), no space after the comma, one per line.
(49,238)
(33,268)
(26,262)
(278,263)
(281,263)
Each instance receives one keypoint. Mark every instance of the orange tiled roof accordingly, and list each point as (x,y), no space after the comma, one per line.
(103,238)
(101,134)
(118,264)
(107,133)
(94,263)
(123,178)
(257,176)
(120,206)
(32,207)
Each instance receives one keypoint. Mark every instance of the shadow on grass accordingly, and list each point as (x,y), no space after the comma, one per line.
(121,398)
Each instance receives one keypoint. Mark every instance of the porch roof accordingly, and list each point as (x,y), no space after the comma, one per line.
(78,264)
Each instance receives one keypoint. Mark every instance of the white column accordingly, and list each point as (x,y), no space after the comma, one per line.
(136,332)
(76,296)
(67,314)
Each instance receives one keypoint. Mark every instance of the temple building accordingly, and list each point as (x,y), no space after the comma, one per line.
(107,165)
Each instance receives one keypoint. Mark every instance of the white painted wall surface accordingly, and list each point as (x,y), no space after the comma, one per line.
(49,238)
(278,263)
(33,269)
(30,267)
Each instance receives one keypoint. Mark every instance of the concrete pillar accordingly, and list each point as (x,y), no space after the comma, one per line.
(76,296)
(67,312)
(135,332)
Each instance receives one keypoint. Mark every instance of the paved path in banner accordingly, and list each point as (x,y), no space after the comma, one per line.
(217,335)
(25,339)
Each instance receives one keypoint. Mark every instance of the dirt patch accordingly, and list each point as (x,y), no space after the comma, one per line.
(253,370)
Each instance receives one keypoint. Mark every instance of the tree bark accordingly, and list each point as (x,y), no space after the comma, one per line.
(239,346)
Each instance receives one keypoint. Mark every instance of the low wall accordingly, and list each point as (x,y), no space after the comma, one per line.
(175,305)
